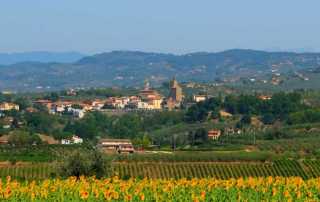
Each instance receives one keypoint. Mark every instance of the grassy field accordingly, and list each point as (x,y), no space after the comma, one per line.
(166,170)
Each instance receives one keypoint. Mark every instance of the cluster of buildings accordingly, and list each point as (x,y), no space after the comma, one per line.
(147,99)
(77,109)
(6,122)
(7,106)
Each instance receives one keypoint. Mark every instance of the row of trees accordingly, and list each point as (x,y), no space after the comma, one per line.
(280,106)
(130,125)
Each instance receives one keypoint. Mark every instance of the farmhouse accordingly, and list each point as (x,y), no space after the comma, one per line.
(119,145)
(73,140)
(214,134)
(265,97)
(4,139)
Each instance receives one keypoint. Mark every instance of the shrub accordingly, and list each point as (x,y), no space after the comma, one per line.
(22,138)
(85,164)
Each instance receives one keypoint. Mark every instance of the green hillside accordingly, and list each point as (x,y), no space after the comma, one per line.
(126,68)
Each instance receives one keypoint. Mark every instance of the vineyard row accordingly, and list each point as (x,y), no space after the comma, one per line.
(286,168)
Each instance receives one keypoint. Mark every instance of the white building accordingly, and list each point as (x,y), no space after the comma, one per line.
(65,141)
(78,113)
(73,140)
(199,98)
(77,140)
(60,108)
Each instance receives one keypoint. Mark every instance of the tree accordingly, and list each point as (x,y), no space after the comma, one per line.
(23,138)
(284,104)
(245,120)
(54,97)
(276,133)
(89,163)
(200,136)
(59,134)
(126,126)
(191,137)
(145,142)
(306,116)
(248,104)
(76,106)
(199,112)
(87,127)
(100,166)
(23,103)
(230,104)
(76,164)
(268,118)
(42,122)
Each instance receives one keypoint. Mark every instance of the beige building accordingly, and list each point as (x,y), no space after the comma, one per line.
(151,97)
(6,106)
(118,145)
(199,98)
(225,114)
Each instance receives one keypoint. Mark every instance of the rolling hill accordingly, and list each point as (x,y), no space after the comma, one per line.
(130,68)
(39,56)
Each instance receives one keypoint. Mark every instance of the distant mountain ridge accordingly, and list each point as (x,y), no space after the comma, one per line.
(39,56)
(130,68)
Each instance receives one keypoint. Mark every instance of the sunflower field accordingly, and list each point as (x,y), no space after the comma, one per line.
(114,189)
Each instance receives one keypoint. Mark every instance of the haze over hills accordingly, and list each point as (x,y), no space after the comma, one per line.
(39,56)
(130,68)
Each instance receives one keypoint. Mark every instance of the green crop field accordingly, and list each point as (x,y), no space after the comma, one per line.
(37,171)
(166,170)
(285,168)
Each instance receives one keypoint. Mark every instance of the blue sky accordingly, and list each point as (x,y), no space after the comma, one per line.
(176,26)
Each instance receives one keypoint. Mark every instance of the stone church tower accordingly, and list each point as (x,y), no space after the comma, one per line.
(175,91)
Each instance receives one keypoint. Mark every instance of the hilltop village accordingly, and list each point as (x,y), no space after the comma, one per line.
(147,99)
